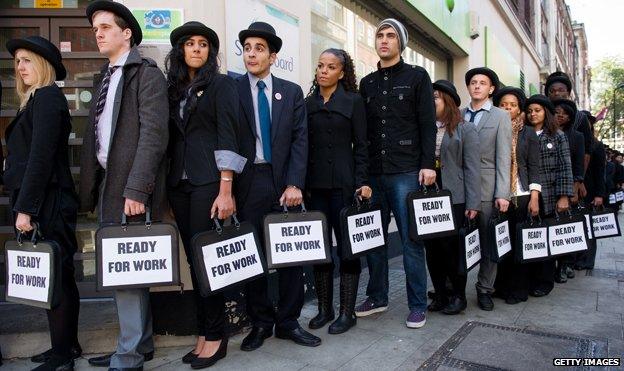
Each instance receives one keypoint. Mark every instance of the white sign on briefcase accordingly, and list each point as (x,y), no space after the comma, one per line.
(503,241)
(28,275)
(534,243)
(619,196)
(567,235)
(365,231)
(473,249)
(605,224)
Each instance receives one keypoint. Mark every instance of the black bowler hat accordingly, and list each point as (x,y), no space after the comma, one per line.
(42,47)
(447,87)
(568,106)
(558,76)
(517,92)
(193,28)
(120,10)
(483,71)
(542,100)
(263,30)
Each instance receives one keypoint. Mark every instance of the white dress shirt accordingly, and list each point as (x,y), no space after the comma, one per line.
(487,106)
(268,91)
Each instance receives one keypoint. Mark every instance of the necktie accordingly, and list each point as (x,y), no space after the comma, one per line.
(474,114)
(264,115)
(99,107)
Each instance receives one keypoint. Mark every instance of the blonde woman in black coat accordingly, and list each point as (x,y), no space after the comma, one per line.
(39,181)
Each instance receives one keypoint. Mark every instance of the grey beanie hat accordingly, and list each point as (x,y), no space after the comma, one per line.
(399,28)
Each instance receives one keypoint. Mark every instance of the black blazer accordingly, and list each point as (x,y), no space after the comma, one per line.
(595,181)
(338,155)
(577,153)
(528,157)
(37,147)
(208,124)
(289,136)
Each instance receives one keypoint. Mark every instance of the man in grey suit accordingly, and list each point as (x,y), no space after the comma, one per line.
(494,127)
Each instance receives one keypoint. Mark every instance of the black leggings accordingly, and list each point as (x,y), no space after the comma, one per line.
(191,207)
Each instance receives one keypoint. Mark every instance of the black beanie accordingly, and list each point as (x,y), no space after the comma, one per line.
(542,100)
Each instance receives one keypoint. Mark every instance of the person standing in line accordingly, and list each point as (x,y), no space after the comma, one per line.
(203,156)
(494,127)
(337,168)
(555,176)
(274,140)
(401,130)
(512,278)
(123,160)
(40,184)
(459,171)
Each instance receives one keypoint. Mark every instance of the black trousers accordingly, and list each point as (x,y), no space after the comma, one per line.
(330,202)
(443,254)
(57,220)
(191,206)
(263,198)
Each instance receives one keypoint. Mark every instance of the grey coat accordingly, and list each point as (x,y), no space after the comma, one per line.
(136,165)
(460,158)
(495,141)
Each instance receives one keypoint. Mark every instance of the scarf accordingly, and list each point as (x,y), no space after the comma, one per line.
(516,125)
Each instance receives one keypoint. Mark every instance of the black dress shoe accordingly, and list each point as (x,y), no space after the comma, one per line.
(189,357)
(255,339)
(569,272)
(455,306)
(56,364)
(511,300)
(76,352)
(200,362)
(560,276)
(485,301)
(437,304)
(538,293)
(431,294)
(299,336)
(104,361)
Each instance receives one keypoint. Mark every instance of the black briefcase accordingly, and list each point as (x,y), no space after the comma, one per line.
(469,245)
(567,234)
(531,241)
(33,271)
(580,209)
(499,238)
(227,256)
(361,228)
(431,214)
(135,255)
(605,223)
(296,238)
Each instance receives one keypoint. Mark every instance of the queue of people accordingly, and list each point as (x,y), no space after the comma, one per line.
(210,145)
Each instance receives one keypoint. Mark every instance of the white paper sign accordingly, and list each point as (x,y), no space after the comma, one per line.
(612,198)
(296,242)
(588,221)
(365,231)
(566,238)
(605,225)
(503,242)
(534,243)
(136,260)
(230,261)
(28,275)
(619,196)
(472,245)
(433,215)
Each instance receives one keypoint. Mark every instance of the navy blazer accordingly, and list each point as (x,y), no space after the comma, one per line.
(289,136)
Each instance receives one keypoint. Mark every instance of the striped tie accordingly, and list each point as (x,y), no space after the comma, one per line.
(101,102)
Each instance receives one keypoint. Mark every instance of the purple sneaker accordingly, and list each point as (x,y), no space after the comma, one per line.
(369,307)
(416,319)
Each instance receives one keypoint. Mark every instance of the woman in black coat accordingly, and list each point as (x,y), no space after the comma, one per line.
(337,168)
(203,158)
(512,283)
(39,182)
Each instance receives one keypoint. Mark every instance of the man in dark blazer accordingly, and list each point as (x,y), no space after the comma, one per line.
(123,168)
(274,139)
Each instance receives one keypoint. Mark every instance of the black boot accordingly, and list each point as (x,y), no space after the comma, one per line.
(348,293)
(324,282)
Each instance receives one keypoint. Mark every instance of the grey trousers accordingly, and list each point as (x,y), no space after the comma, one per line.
(135,328)
(487,268)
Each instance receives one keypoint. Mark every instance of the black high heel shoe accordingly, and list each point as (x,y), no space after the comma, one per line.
(200,362)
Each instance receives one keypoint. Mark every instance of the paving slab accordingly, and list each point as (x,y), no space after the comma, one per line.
(376,356)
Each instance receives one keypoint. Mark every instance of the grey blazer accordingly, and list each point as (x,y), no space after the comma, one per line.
(495,141)
(460,158)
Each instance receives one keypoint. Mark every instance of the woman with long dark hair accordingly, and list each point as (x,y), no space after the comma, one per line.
(40,184)
(203,159)
(337,168)
(458,170)
(556,179)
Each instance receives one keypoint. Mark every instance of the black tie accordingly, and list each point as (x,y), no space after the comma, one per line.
(474,114)
(101,102)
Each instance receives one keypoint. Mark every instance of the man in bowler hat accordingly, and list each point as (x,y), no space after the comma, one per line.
(123,166)
(274,139)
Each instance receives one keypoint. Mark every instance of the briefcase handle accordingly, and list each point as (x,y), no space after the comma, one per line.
(569,212)
(303,209)
(537,220)
(219,227)
(148,219)
(469,223)
(599,208)
(36,235)
(425,189)
(358,203)
(498,215)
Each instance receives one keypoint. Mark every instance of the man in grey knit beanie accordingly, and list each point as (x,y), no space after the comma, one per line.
(398,28)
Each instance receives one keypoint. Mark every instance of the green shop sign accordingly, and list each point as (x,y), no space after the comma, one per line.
(449,16)
(157,24)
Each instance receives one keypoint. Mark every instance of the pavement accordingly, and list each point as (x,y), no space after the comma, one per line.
(581,318)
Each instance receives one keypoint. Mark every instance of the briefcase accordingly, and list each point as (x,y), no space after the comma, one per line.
(33,271)
(226,256)
(531,240)
(605,223)
(431,214)
(499,236)
(361,228)
(138,254)
(567,233)
(470,245)
(580,209)
(296,238)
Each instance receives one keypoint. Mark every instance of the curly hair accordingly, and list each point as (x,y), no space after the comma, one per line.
(348,80)
(178,78)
